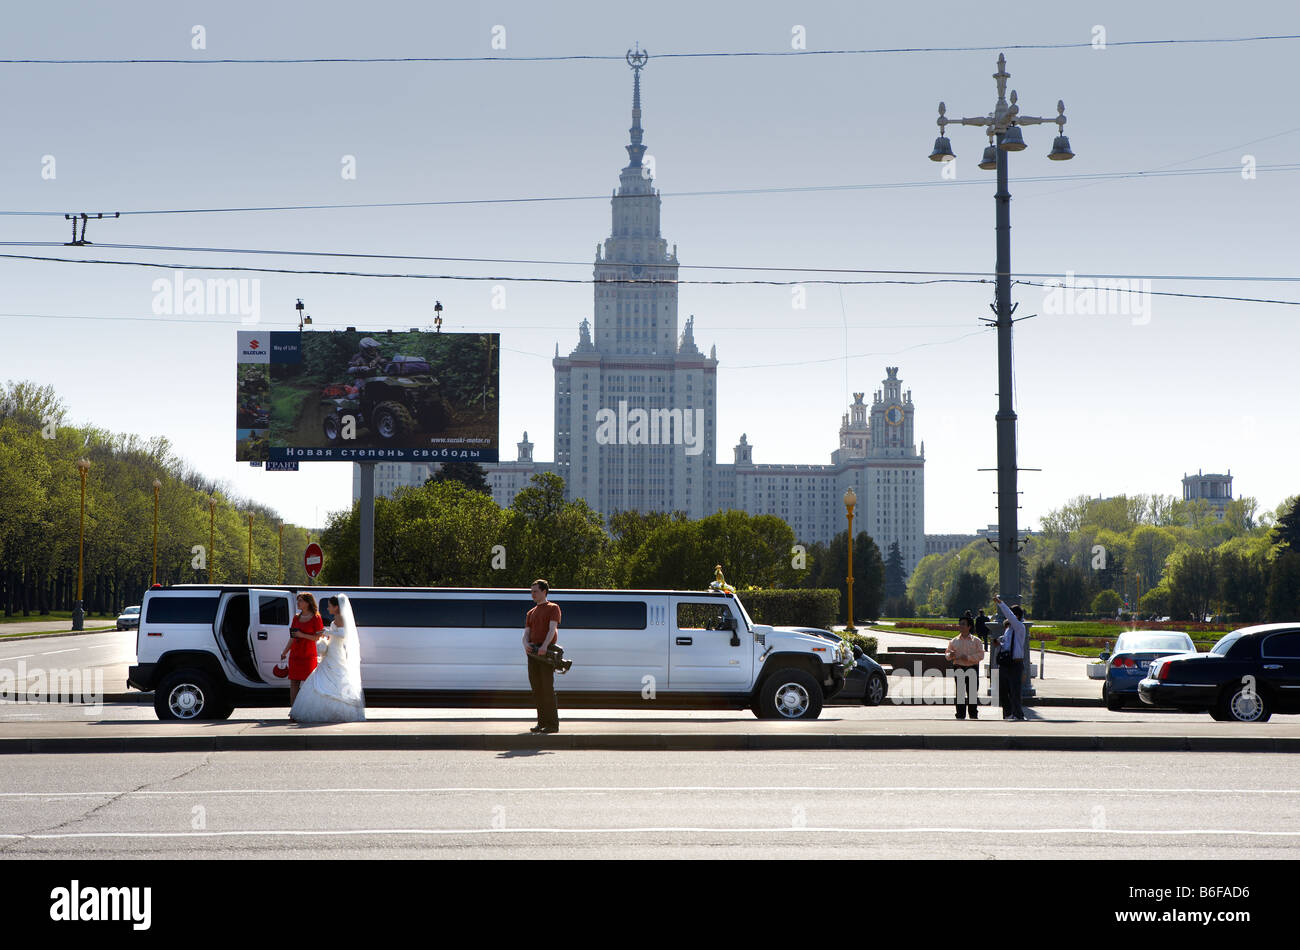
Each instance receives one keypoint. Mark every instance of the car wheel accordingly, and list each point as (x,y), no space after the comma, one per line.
(790,694)
(1113,703)
(876,691)
(186,695)
(1243,704)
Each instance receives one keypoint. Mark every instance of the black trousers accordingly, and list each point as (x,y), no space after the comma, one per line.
(968,691)
(1010,677)
(541,678)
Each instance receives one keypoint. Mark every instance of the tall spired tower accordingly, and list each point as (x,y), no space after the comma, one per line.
(634,361)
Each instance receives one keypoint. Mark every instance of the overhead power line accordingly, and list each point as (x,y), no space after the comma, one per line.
(706,193)
(912,272)
(577,57)
(631,280)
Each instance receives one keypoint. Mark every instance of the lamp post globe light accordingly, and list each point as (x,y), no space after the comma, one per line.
(1002,126)
(850,502)
(78,613)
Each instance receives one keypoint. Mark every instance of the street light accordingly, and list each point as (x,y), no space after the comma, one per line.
(850,502)
(1002,126)
(78,613)
(156,485)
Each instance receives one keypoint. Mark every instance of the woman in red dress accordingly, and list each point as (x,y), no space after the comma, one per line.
(303,634)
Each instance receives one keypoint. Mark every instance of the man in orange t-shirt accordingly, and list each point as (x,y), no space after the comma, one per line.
(541,627)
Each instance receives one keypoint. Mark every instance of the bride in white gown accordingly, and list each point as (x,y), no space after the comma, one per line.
(332,693)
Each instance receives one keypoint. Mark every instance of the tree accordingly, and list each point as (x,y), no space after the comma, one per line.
(1243,585)
(1106,603)
(895,573)
(868,573)
(564,542)
(1193,583)
(1286,532)
(970,591)
(1284,587)
(469,474)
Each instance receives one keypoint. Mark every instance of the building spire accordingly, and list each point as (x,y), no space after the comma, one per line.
(636,58)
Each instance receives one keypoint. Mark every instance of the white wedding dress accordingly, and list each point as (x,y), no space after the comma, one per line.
(332,693)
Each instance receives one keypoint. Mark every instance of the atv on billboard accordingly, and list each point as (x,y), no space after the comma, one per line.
(356,395)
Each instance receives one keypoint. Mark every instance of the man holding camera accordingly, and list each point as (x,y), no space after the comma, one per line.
(541,627)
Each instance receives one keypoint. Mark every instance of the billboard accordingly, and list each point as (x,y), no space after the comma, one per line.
(356,395)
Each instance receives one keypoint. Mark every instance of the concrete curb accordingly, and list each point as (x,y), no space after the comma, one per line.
(65,633)
(697,742)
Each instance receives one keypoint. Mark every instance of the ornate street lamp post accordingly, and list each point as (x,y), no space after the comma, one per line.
(78,613)
(1002,126)
(850,501)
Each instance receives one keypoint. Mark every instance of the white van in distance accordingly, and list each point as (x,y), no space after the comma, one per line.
(205,649)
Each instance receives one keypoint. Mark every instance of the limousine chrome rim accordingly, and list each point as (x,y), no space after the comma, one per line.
(185,701)
(1246,705)
(792,700)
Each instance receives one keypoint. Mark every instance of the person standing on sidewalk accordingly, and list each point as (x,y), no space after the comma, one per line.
(1011,660)
(964,652)
(982,628)
(541,628)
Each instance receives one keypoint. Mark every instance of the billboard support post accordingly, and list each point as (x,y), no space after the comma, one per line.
(367,578)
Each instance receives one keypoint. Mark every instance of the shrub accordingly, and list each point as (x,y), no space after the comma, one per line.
(793,608)
(868,644)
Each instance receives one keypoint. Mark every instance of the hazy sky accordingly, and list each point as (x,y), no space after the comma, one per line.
(1108,403)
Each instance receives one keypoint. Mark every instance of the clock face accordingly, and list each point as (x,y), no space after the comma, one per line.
(894,415)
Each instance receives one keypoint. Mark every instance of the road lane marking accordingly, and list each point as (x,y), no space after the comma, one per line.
(837,789)
(21,656)
(667,829)
(52,652)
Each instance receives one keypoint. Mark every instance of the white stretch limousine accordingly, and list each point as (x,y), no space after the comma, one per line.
(203,650)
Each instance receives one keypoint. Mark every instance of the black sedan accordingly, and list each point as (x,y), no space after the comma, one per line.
(866,683)
(1249,675)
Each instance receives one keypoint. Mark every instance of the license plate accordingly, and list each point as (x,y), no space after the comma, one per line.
(1144,664)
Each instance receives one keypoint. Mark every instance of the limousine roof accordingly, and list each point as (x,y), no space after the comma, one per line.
(515,591)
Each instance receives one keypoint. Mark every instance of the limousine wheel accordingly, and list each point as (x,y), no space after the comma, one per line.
(185,695)
(1245,705)
(790,694)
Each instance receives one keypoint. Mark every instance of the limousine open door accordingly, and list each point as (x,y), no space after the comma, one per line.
(269,615)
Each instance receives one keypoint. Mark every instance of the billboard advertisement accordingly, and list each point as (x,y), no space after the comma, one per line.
(357,395)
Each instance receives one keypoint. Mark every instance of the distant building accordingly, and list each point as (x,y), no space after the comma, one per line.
(635,406)
(943,543)
(1215,489)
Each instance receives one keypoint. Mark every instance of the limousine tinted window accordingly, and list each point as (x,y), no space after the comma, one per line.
(445,612)
(274,610)
(417,612)
(574,614)
(182,610)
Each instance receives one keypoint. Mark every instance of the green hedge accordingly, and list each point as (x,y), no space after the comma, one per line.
(868,644)
(792,608)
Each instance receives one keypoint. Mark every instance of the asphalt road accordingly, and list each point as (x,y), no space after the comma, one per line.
(586,804)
